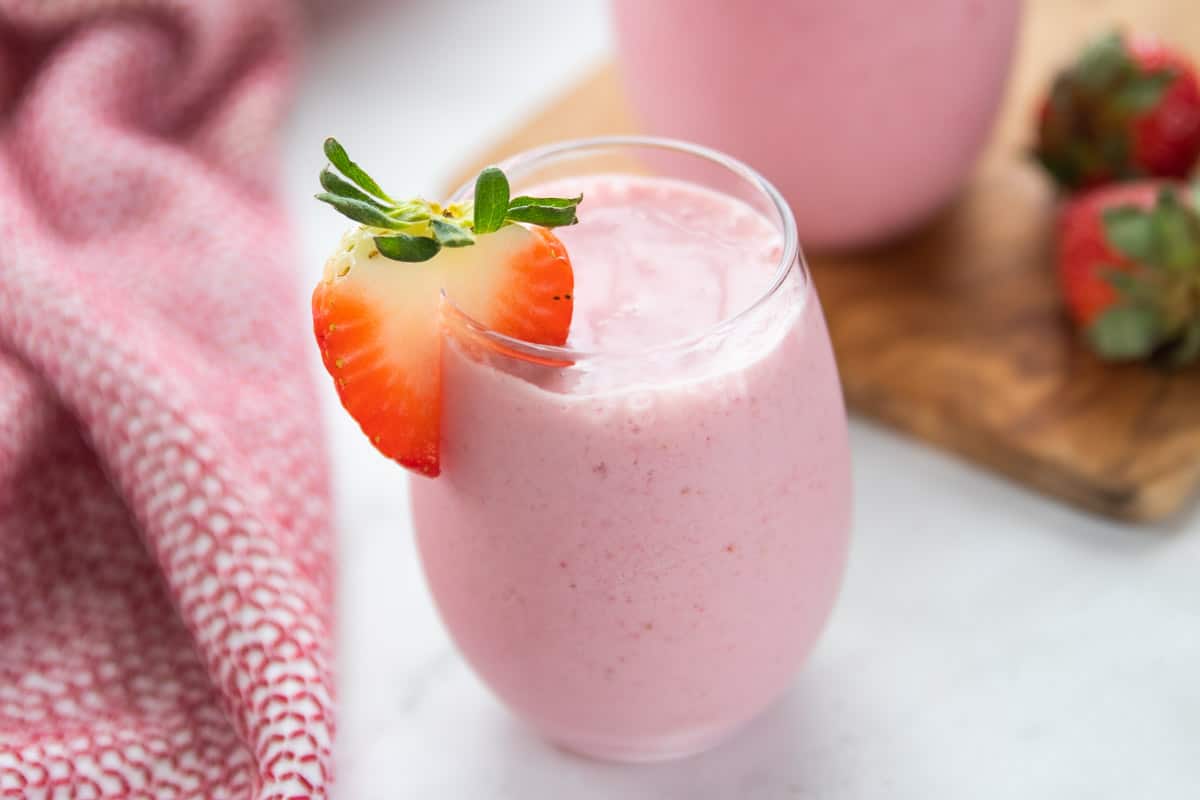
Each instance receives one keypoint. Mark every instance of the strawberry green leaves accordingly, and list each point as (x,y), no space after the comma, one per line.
(1106,66)
(338,157)
(1143,91)
(1176,231)
(416,230)
(1102,62)
(494,209)
(338,186)
(1158,307)
(1126,332)
(369,214)
(549,212)
(491,200)
(449,234)
(1167,235)
(1129,231)
(402,247)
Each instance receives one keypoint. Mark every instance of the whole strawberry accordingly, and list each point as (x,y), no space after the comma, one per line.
(1128,108)
(1129,266)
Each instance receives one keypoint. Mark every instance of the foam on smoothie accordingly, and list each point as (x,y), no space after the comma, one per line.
(660,260)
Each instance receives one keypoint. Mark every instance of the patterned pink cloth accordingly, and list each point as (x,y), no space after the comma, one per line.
(165,586)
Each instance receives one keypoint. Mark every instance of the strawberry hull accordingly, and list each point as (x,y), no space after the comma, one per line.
(1128,108)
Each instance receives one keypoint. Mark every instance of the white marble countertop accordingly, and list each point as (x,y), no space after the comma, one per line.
(988,643)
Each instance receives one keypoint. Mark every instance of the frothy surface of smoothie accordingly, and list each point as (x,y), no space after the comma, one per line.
(660,260)
(637,557)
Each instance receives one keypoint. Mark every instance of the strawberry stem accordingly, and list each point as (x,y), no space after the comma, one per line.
(416,230)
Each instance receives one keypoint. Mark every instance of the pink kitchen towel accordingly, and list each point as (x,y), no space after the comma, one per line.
(165,564)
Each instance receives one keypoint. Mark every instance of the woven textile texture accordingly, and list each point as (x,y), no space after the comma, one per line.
(165,564)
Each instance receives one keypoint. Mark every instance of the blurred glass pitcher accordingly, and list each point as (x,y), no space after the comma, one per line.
(867,114)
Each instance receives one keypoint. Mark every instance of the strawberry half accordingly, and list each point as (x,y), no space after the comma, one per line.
(1128,108)
(377,311)
(1129,267)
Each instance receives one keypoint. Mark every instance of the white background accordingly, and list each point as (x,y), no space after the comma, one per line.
(989,643)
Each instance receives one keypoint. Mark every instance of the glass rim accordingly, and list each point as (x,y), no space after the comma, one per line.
(790,255)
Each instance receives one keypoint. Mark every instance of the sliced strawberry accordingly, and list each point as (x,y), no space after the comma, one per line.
(377,312)
(532,298)
(378,325)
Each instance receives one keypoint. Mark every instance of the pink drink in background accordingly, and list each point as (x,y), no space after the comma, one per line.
(867,115)
(636,552)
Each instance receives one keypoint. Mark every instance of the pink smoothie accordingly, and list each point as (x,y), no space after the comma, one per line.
(866,114)
(637,553)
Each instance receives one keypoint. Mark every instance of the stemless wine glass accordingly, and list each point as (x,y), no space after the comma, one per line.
(636,550)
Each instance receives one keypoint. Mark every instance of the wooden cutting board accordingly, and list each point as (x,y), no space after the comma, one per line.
(956,334)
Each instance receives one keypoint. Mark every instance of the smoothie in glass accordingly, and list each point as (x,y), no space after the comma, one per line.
(636,539)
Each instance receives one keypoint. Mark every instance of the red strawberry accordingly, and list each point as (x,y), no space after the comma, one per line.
(378,319)
(1084,252)
(1129,267)
(1128,108)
